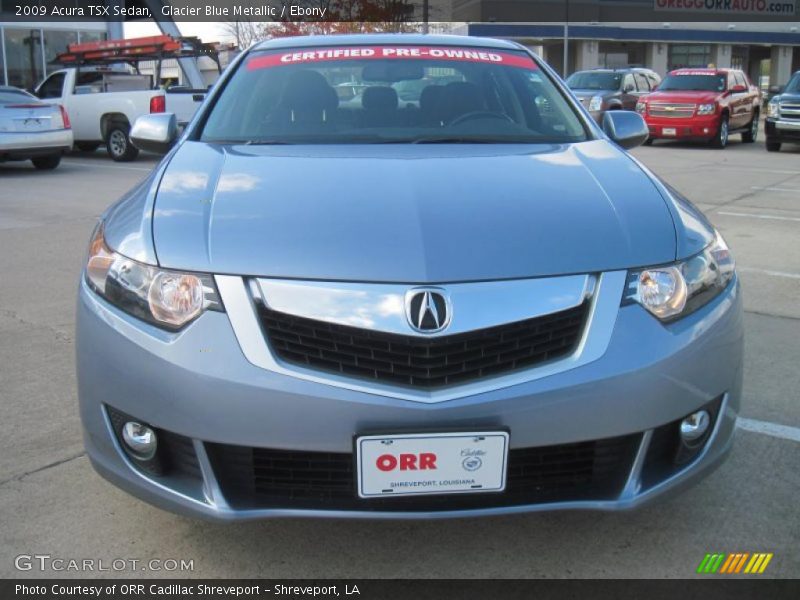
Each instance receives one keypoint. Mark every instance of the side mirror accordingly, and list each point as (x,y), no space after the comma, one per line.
(626,128)
(738,88)
(155,133)
(775,89)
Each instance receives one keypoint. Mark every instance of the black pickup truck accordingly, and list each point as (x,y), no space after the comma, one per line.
(783,116)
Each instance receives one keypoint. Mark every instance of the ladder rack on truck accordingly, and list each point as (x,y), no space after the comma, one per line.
(135,50)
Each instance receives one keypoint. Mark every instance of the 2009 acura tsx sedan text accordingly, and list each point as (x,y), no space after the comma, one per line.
(467,301)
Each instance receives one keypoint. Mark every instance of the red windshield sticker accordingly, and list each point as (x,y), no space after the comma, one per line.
(694,73)
(391,52)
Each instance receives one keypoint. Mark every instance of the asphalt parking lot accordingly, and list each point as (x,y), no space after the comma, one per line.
(53,503)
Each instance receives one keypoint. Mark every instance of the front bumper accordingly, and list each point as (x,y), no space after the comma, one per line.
(782,130)
(22,146)
(697,127)
(197,384)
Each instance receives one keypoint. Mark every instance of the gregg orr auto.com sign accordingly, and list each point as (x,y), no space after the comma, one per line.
(731,7)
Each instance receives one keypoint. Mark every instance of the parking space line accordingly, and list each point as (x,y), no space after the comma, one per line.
(768,272)
(106,166)
(784,432)
(774,189)
(757,216)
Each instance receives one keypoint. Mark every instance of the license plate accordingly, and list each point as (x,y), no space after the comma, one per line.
(669,131)
(31,124)
(433,463)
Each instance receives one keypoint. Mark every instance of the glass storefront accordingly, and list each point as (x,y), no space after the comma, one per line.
(56,42)
(25,54)
(24,60)
(689,55)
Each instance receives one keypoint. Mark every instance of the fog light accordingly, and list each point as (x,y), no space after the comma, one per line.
(140,440)
(695,426)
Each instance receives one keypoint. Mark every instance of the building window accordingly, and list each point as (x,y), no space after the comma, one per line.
(92,36)
(56,42)
(689,55)
(23,55)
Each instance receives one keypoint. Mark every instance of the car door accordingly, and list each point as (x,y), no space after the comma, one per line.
(745,103)
(629,95)
(735,119)
(642,85)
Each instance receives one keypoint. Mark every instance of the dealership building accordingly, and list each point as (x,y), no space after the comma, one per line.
(26,48)
(659,39)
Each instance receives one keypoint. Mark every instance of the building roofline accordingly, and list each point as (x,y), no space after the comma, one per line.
(633,34)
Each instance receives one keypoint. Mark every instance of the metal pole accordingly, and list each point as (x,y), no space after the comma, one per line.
(565,71)
(3,50)
(424,16)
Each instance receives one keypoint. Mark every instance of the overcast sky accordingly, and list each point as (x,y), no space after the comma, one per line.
(208,32)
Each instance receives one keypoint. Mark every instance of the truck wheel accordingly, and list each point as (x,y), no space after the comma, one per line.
(721,139)
(119,144)
(749,136)
(773,146)
(87,146)
(46,163)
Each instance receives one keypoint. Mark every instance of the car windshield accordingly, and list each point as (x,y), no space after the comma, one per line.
(594,81)
(391,94)
(793,87)
(693,82)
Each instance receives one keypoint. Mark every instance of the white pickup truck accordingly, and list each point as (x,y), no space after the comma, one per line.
(103,104)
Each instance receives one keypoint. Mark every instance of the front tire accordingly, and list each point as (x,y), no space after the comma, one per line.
(119,144)
(721,139)
(773,146)
(749,136)
(46,163)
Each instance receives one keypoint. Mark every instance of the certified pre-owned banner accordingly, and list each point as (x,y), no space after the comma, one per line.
(765,8)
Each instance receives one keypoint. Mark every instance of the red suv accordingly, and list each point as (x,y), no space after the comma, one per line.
(703,104)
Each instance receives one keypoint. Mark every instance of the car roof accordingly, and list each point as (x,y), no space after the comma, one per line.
(703,70)
(618,70)
(325,41)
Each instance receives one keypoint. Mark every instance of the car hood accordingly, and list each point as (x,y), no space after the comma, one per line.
(409,213)
(683,97)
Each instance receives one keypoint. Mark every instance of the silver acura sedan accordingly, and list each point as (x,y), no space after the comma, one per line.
(472,302)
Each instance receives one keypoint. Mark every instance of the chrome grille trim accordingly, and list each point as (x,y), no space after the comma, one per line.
(240,305)
(791,111)
(671,109)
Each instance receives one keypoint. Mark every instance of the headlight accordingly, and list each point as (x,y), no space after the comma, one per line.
(596,103)
(641,107)
(676,290)
(706,109)
(773,109)
(169,299)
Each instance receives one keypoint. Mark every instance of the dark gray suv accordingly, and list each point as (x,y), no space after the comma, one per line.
(600,90)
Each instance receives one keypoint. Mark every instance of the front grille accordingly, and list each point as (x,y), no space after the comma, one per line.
(423,362)
(267,478)
(659,109)
(790,111)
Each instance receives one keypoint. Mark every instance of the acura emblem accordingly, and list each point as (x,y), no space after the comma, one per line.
(428,309)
